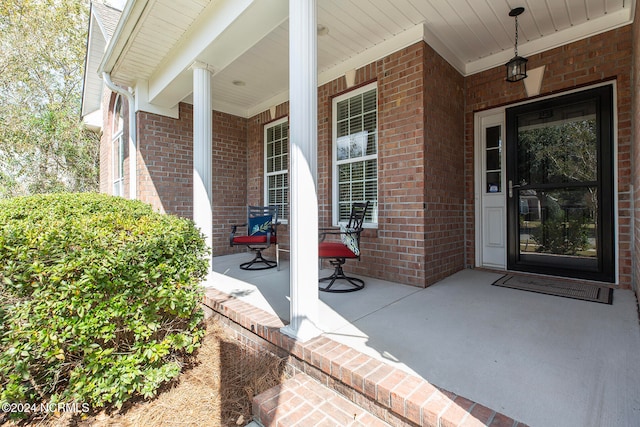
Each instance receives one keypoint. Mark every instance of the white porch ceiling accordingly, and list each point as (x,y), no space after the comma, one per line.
(244,41)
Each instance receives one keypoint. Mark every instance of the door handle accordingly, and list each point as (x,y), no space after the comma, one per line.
(511,187)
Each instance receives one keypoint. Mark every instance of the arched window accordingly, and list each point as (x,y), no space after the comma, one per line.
(117,148)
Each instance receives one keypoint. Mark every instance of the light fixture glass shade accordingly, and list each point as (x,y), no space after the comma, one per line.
(516,69)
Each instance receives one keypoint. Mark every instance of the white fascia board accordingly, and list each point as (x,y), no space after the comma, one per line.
(278,99)
(228,108)
(130,15)
(608,22)
(142,102)
(93,120)
(92,81)
(226,30)
(99,23)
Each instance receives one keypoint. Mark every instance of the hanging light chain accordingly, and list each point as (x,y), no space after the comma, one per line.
(516,48)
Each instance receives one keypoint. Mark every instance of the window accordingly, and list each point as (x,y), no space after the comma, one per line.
(493,159)
(117,148)
(355,153)
(276,140)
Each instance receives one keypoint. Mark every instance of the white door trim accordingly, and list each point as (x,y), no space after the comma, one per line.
(481,121)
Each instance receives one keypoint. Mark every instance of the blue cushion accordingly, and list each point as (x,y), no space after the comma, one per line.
(259,225)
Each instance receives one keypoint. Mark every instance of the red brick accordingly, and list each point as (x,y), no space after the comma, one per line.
(457,412)
(372,379)
(500,420)
(434,408)
(383,394)
(481,413)
(417,399)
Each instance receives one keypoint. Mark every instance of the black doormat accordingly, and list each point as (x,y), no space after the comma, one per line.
(551,286)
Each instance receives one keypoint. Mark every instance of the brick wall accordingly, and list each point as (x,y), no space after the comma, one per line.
(229,169)
(595,59)
(165,161)
(165,168)
(396,249)
(399,245)
(444,166)
(635,72)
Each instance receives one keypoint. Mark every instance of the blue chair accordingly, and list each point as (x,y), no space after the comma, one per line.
(262,223)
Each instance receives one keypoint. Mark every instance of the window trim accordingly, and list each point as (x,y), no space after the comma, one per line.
(281,218)
(117,144)
(334,153)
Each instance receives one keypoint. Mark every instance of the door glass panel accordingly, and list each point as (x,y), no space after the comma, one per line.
(559,222)
(493,159)
(558,145)
(556,185)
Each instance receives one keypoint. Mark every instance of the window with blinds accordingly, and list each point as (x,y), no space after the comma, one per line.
(355,153)
(277,167)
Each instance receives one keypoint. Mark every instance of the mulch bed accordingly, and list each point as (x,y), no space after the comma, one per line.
(215,389)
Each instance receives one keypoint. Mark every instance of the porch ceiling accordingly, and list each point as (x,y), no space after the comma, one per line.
(247,40)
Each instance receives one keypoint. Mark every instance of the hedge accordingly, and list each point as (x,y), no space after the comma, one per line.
(99,298)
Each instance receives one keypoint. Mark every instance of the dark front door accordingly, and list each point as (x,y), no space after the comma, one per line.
(560,186)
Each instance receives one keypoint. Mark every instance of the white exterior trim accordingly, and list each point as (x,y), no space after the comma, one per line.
(202,153)
(479,190)
(303,142)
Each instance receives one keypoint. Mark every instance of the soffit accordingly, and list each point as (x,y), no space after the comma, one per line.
(472,35)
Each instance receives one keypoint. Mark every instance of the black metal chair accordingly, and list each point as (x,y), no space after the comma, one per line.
(262,223)
(348,248)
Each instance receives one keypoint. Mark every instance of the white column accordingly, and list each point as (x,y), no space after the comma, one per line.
(202,176)
(303,198)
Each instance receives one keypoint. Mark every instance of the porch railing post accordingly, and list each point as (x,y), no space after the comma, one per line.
(303,198)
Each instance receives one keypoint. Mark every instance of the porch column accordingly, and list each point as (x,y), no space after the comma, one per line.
(202,176)
(303,199)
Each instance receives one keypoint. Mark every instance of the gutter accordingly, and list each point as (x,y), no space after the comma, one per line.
(133,152)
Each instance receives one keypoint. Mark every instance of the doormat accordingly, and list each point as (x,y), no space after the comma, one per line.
(550,286)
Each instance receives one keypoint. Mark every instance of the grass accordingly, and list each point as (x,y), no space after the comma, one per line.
(215,389)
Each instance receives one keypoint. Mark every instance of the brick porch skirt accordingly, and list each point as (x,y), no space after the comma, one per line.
(388,393)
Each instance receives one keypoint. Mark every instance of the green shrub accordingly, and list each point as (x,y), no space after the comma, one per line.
(562,233)
(99,298)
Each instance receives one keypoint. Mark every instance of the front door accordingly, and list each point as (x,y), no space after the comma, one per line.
(560,210)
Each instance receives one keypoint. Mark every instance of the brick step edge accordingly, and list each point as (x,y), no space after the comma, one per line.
(393,395)
(303,401)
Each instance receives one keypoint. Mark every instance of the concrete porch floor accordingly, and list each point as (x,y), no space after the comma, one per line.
(542,360)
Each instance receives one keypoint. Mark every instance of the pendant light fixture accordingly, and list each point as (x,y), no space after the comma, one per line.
(517,66)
